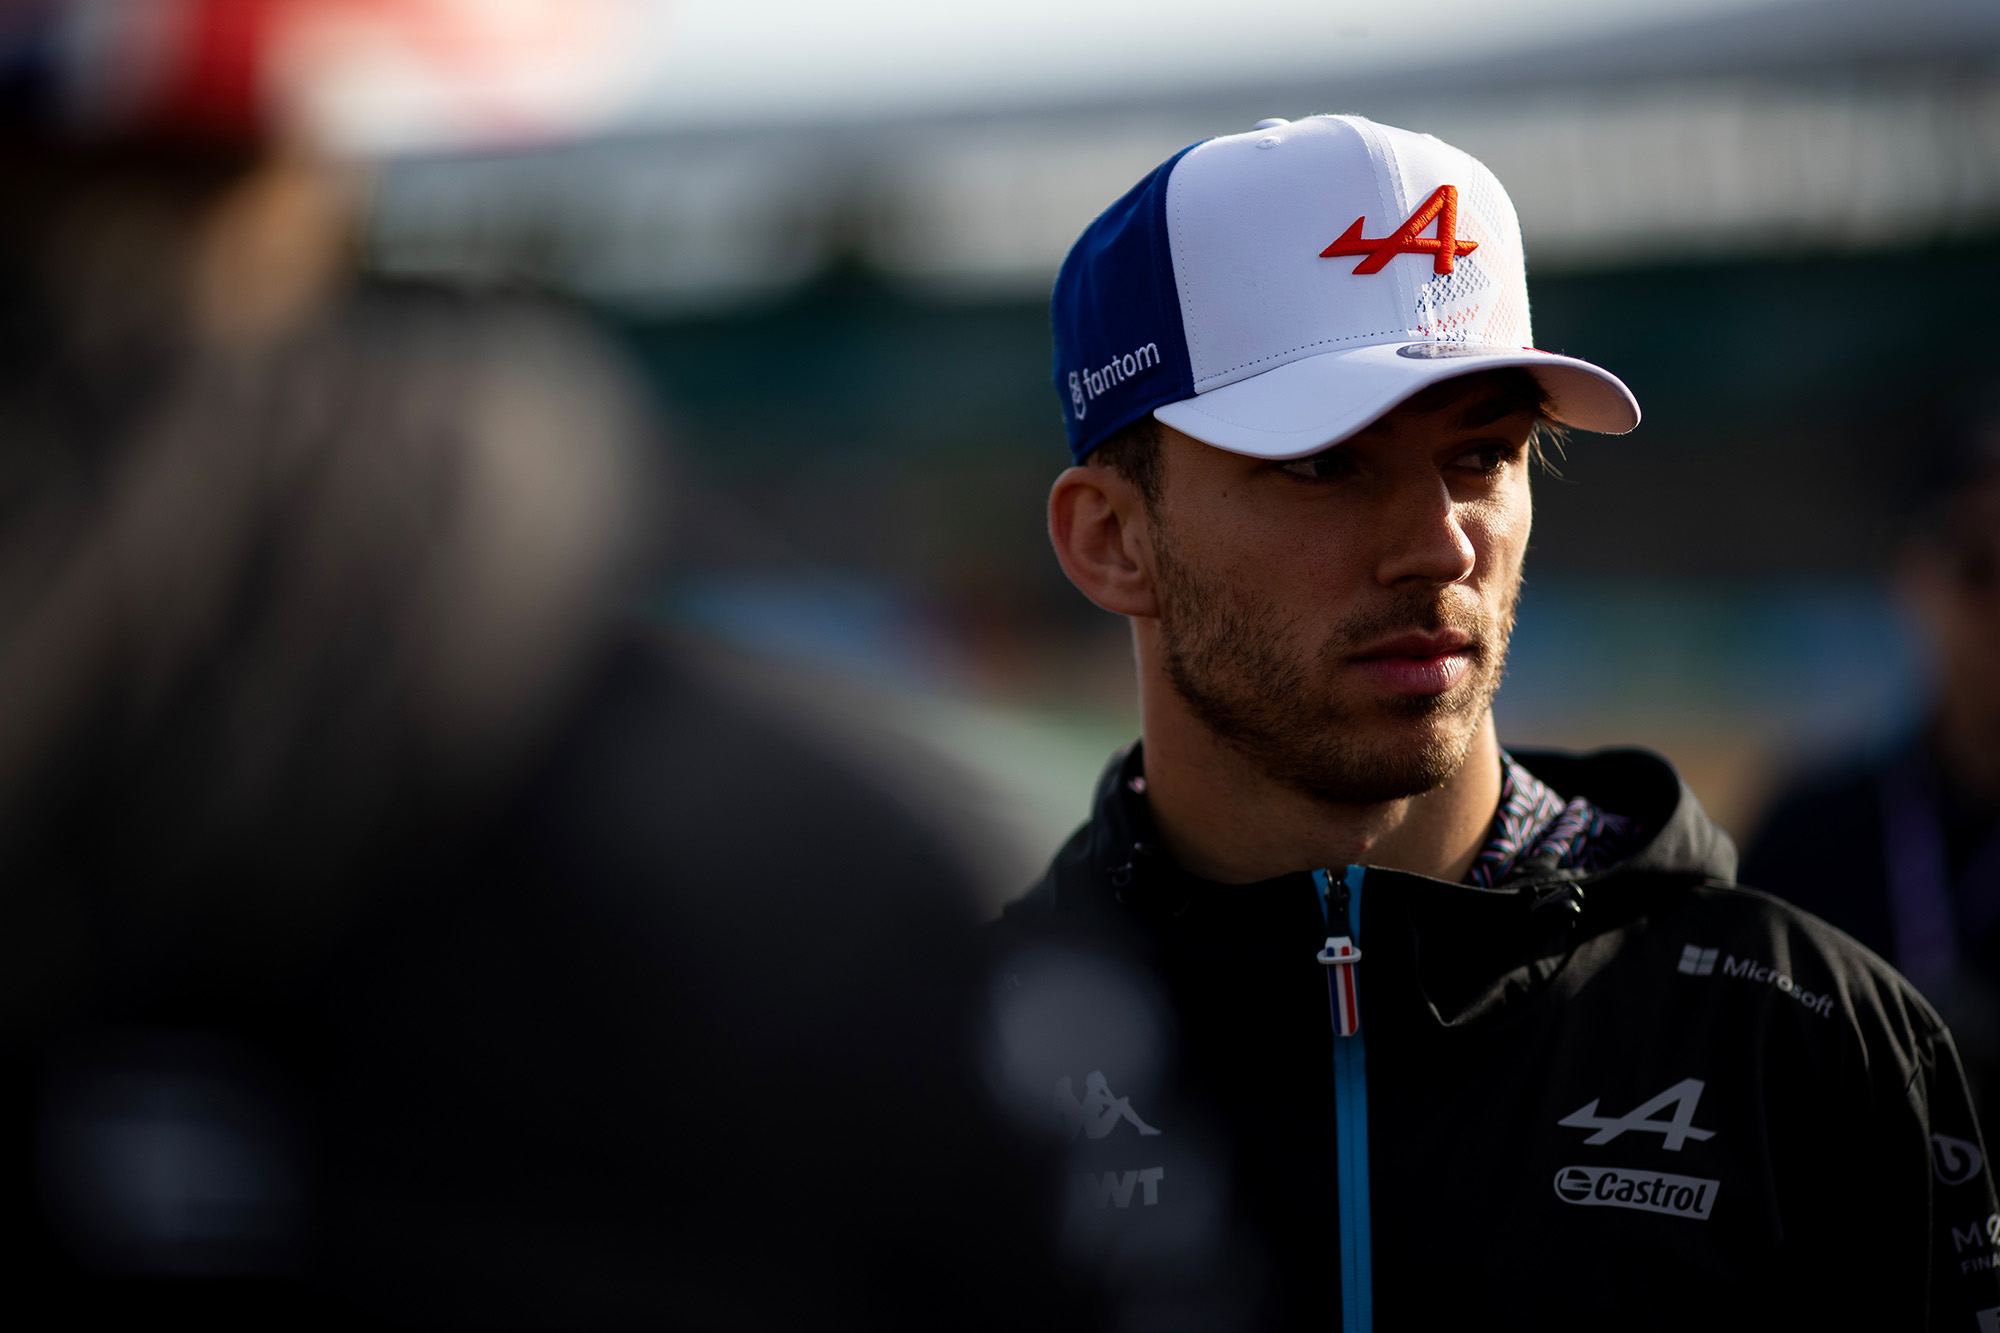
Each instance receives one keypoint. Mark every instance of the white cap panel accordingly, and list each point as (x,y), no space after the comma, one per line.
(1248,216)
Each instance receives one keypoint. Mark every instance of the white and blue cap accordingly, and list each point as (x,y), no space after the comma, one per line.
(1272,293)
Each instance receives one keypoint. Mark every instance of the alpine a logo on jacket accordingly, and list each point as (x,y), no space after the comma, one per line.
(1674,1133)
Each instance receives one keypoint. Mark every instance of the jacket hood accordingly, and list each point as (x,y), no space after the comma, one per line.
(1680,837)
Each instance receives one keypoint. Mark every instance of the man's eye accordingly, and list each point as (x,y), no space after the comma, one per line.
(1332,463)
(1487,457)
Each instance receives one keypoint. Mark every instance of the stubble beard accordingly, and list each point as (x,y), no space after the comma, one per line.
(1238,664)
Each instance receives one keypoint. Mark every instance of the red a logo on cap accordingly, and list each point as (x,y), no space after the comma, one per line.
(1441,207)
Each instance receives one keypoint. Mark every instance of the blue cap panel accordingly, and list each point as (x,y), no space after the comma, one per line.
(1120,347)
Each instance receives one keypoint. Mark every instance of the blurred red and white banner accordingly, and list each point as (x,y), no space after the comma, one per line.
(359,76)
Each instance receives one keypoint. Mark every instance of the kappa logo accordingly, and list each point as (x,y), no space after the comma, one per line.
(1674,1133)
(1098,1113)
(1646,1191)
(1441,208)
(1955,1160)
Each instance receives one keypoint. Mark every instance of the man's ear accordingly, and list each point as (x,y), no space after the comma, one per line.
(1099,526)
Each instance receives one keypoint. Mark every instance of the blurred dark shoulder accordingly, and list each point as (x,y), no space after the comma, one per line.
(696,977)
(290,603)
(675,760)
(578,958)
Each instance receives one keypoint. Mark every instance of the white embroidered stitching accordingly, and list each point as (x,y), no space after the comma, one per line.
(1190,329)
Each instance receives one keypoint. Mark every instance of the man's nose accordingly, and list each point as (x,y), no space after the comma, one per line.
(1426,538)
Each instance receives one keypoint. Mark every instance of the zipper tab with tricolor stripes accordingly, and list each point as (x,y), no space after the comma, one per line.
(1340,906)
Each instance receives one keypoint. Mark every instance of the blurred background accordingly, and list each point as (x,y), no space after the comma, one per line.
(828,237)
(825,236)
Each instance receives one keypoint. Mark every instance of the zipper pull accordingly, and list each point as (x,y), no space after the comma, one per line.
(1341,955)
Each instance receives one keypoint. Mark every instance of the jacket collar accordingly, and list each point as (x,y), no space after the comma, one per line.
(1468,951)
(1680,839)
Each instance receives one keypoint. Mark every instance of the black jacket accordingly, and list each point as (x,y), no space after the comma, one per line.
(1638,1098)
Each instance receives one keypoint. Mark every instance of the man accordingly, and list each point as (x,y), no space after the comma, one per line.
(1415,1033)
(1903,851)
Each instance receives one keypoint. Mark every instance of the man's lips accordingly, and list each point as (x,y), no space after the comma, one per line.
(1419,663)
(1419,644)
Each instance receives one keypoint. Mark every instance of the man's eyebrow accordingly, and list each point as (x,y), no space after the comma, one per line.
(1486,410)
(1483,410)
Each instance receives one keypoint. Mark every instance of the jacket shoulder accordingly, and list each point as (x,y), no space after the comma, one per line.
(1075,899)
(1747,934)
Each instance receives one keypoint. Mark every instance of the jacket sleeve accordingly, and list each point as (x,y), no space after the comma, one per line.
(1963,1213)
(1888,1202)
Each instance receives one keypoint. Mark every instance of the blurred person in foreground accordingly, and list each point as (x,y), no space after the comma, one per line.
(391,933)
(1903,851)
(1352,1018)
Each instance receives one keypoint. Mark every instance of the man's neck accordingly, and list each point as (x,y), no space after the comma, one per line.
(1222,817)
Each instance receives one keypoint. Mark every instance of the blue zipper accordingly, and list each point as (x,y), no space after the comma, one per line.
(1350,1110)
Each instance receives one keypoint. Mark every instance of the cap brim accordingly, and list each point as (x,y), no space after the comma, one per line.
(1305,406)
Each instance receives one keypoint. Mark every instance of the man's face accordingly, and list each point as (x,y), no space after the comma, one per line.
(1343,619)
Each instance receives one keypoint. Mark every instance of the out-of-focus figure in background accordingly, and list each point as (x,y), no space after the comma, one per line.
(1903,852)
(390,930)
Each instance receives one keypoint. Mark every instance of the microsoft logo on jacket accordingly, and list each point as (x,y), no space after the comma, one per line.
(1699,962)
